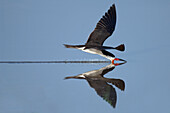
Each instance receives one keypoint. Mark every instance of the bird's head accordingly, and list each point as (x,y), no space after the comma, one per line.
(118,59)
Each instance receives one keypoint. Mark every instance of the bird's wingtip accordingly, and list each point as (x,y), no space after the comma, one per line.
(121,47)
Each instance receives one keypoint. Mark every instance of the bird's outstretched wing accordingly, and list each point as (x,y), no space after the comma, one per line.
(104,90)
(104,28)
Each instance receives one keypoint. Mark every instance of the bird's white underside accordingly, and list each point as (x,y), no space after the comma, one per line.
(95,51)
(95,73)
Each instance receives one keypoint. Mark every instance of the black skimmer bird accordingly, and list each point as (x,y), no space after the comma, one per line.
(103,30)
(100,84)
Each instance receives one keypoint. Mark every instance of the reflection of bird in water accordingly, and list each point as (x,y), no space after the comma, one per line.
(103,30)
(100,84)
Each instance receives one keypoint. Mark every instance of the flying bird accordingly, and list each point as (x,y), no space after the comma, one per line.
(102,31)
(101,84)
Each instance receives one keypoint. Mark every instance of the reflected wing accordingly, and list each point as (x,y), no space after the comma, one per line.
(117,82)
(106,69)
(104,28)
(104,90)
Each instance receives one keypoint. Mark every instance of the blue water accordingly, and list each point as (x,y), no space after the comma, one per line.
(36,30)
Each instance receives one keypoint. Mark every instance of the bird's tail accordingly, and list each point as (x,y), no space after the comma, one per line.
(73,46)
(120,47)
(69,46)
(69,77)
(80,76)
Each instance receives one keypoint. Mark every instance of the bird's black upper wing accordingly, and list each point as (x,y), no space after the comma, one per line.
(104,90)
(104,28)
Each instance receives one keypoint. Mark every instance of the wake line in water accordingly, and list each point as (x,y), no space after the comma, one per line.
(26,62)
